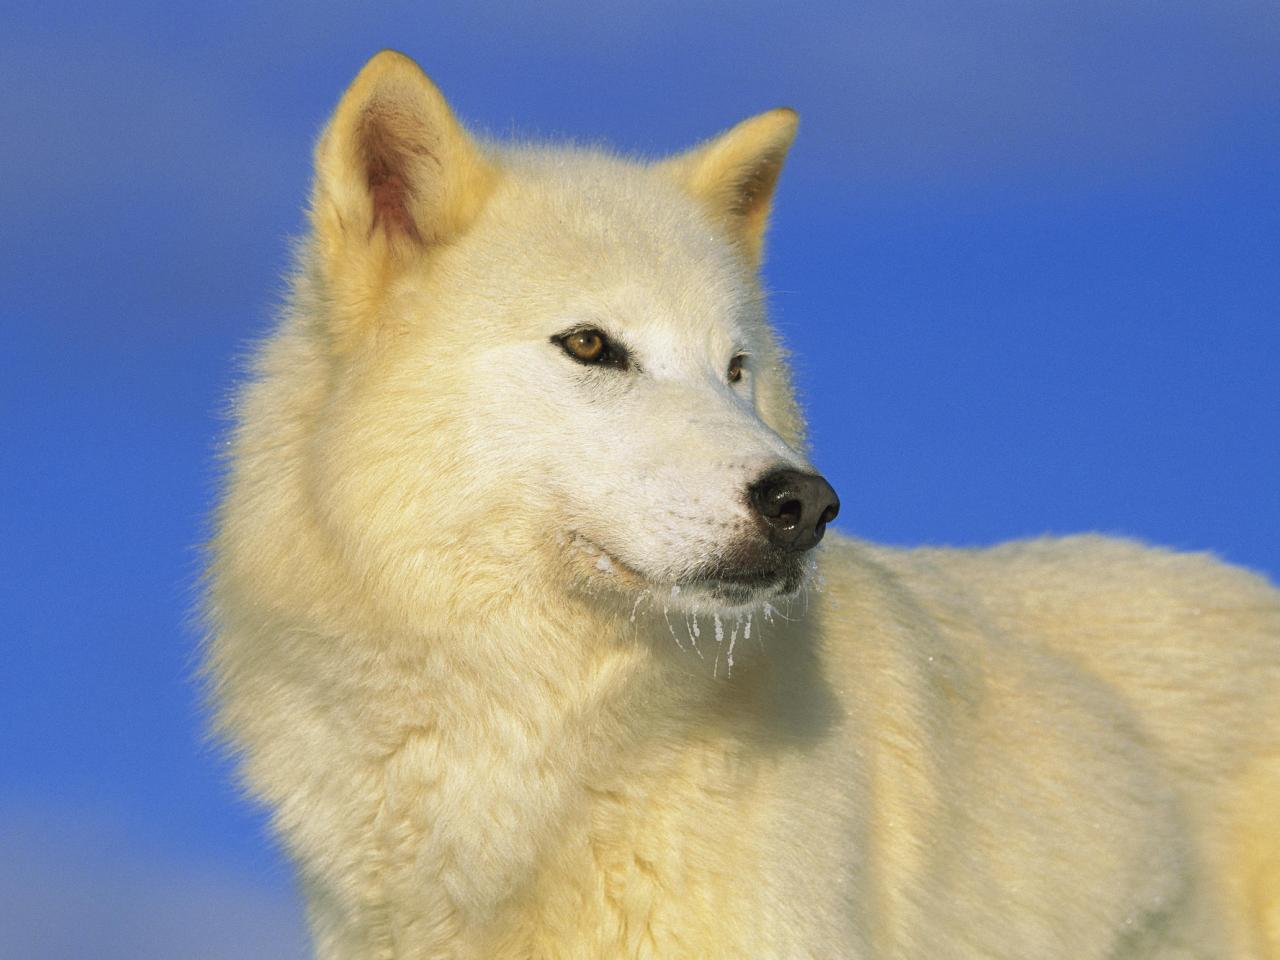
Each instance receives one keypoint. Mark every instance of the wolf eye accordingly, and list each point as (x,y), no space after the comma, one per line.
(591,346)
(735,368)
(585,345)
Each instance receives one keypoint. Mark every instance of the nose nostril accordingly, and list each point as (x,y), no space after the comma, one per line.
(789,513)
(793,508)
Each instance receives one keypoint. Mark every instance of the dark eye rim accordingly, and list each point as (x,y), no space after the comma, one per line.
(736,366)
(613,355)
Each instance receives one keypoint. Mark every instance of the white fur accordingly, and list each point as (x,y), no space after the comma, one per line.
(458,636)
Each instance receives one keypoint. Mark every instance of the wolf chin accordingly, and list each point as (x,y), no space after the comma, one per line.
(520,625)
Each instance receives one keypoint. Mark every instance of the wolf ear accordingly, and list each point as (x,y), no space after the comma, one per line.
(395,171)
(734,174)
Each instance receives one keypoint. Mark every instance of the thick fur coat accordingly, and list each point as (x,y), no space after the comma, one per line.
(487,633)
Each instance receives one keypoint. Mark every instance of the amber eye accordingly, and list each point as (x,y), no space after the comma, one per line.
(590,346)
(735,368)
(586,345)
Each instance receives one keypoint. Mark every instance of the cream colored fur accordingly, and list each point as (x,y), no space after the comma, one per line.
(449,640)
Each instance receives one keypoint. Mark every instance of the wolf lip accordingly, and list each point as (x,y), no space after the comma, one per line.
(604,561)
(783,576)
(752,586)
(759,578)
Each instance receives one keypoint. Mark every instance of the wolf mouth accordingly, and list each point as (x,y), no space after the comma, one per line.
(740,589)
(603,561)
(733,586)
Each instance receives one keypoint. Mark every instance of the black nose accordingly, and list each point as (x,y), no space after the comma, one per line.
(795,507)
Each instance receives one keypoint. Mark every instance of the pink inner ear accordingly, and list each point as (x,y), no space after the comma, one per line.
(392,158)
(390,196)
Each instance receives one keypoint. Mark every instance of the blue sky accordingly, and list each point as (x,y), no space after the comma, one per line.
(1025,254)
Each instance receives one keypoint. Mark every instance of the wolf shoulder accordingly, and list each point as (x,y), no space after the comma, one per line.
(1093,711)
(1074,592)
(1190,642)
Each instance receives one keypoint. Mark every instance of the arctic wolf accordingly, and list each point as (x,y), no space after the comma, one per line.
(520,622)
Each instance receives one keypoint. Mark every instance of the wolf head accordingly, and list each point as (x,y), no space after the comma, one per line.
(548,362)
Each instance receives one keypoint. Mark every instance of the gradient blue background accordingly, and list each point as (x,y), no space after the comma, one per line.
(1025,253)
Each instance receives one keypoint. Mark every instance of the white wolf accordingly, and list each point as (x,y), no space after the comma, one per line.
(516,501)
